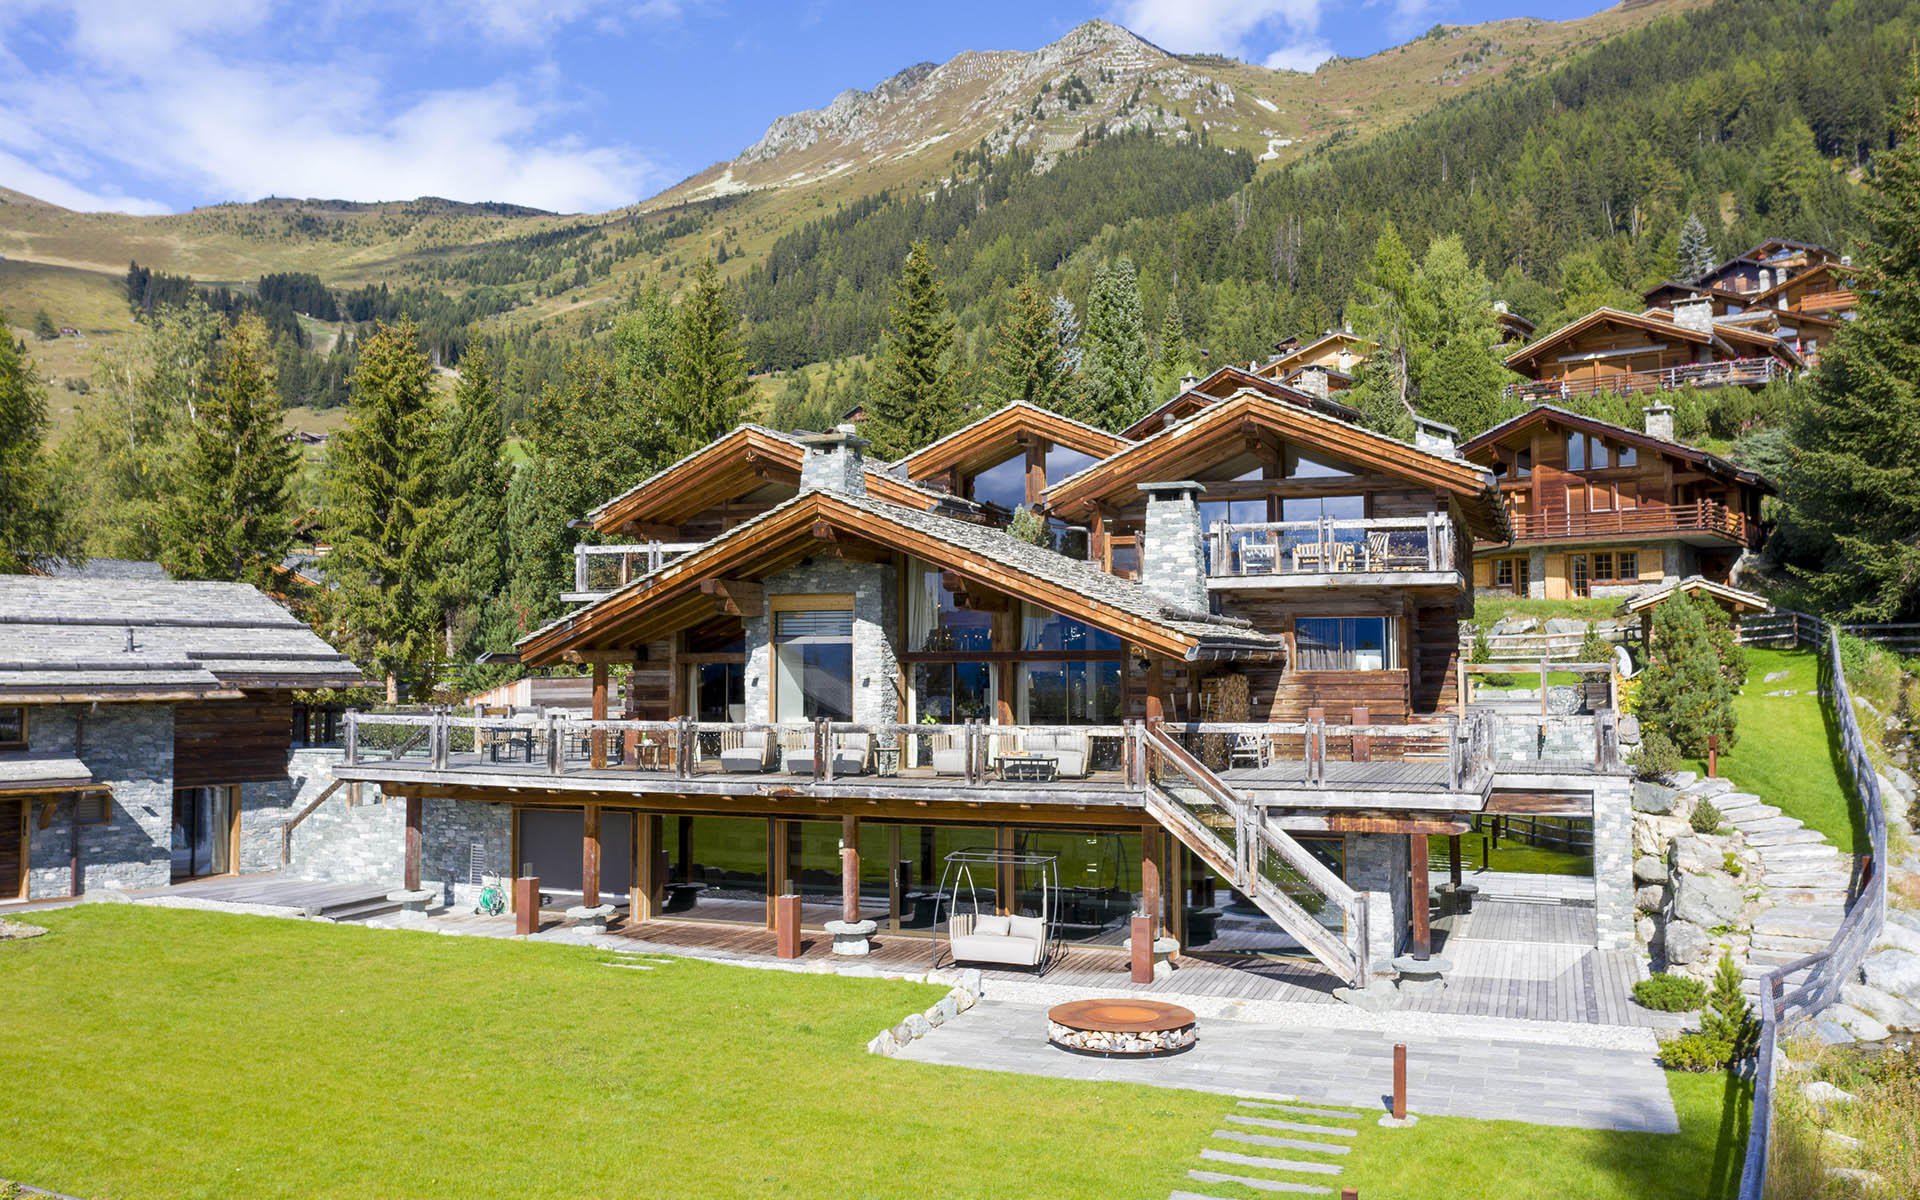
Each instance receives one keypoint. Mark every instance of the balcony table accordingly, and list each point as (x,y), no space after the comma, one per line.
(515,738)
(1018,766)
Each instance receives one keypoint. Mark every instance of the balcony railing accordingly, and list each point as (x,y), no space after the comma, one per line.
(598,570)
(1702,516)
(1370,546)
(1731,372)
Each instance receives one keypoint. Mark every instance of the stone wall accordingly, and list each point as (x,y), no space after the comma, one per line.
(449,832)
(1613,863)
(342,841)
(1172,561)
(1379,865)
(876,672)
(129,749)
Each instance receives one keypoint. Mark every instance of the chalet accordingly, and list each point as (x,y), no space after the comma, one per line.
(147,730)
(1609,351)
(1596,509)
(1336,350)
(1224,697)
(1196,394)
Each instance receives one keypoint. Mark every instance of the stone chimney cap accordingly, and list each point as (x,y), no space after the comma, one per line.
(1429,423)
(839,435)
(1175,487)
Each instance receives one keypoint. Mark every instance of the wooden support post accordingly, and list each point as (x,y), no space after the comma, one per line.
(1422,897)
(1543,683)
(76,878)
(1349,1194)
(590,857)
(631,711)
(413,844)
(849,869)
(1453,859)
(1713,756)
(526,905)
(1141,955)
(1362,744)
(786,926)
(1400,1081)
(1151,861)
(599,758)
(1156,688)
(646,836)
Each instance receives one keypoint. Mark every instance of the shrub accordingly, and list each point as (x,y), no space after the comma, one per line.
(1594,647)
(1657,758)
(1689,686)
(1731,865)
(1670,993)
(1697,1052)
(1728,1017)
(1029,526)
(1706,818)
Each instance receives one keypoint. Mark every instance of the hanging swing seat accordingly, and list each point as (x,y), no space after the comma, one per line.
(1009,941)
(989,937)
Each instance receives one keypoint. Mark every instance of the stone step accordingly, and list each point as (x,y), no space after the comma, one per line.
(1785,837)
(361,911)
(1290,1126)
(1299,1110)
(1735,801)
(1193,1196)
(1280,1143)
(1742,817)
(1774,956)
(1789,897)
(1270,1164)
(1810,852)
(1261,1185)
(1794,880)
(1770,825)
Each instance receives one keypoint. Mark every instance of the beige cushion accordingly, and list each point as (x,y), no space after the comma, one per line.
(1027,927)
(1014,952)
(990,926)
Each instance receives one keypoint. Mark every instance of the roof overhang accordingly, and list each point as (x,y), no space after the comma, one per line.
(1002,433)
(1541,413)
(1697,585)
(1604,316)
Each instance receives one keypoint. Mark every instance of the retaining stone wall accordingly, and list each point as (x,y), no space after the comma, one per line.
(1379,864)
(449,829)
(1613,863)
(342,842)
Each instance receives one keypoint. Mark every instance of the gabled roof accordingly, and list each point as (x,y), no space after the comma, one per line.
(726,467)
(1829,267)
(139,639)
(997,432)
(1773,246)
(1172,454)
(1711,463)
(1693,585)
(816,522)
(1292,358)
(1229,381)
(1657,321)
(1684,290)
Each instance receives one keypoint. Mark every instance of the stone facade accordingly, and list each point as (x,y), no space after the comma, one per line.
(876,672)
(1613,863)
(835,462)
(1380,865)
(451,832)
(128,748)
(1172,558)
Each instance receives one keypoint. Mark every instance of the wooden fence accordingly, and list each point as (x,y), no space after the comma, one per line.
(1828,970)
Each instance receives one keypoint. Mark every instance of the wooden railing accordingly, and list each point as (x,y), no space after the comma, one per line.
(1731,372)
(1828,970)
(1369,546)
(599,569)
(1702,516)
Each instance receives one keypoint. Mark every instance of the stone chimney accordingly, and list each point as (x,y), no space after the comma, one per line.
(1435,438)
(1695,313)
(835,462)
(1659,420)
(1188,383)
(1313,381)
(1173,564)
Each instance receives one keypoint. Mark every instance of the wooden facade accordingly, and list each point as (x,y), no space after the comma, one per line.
(1609,351)
(232,741)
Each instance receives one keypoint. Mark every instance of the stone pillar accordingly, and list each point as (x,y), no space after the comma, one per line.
(1435,438)
(1377,865)
(1172,559)
(850,869)
(1613,863)
(1695,313)
(835,462)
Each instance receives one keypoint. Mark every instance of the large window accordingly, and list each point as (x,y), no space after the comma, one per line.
(720,691)
(203,831)
(1231,512)
(1072,693)
(1004,485)
(1041,629)
(1302,466)
(716,868)
(935,620)
(1344,643)
(813,664)
(13,728)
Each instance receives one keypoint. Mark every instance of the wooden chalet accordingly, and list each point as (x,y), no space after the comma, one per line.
(1596,509)
(1609,351)
(1336,350)
(830,676)
(1198,394)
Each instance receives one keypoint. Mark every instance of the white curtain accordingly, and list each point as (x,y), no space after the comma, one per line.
(921,611)
(1033,626)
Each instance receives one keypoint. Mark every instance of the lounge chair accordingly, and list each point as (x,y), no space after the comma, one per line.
(756,752)
(947,758)
(1066,746)
(1008,941)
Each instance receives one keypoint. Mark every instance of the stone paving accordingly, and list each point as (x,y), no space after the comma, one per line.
(1805,880)
(1267,1139)
(1488,1077)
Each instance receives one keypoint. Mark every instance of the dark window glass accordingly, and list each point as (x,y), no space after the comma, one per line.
(1342,643)
(1005,485)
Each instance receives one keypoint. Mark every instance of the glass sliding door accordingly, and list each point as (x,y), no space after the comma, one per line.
(202,831)
(813,665)
(716,868)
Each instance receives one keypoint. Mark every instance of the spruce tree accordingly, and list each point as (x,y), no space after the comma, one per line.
(1854,492)
(43,326)
(472,517)
(913,400)
(1116,360)
(705,389)
(1027,364)
(1686,691)
(1066,334)
(1696,258)
(1175,359)
(381,493)
(1384,312)
(229,515)
(33,524)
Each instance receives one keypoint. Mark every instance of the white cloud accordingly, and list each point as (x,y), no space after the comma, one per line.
(1216,26)
(1299,56)
(218,99)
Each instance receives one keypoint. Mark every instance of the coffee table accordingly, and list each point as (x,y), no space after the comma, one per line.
(1029,768)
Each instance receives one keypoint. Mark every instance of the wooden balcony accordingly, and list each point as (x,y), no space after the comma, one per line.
(1416,551)
(599,571)
(1731,372)
(1705,519)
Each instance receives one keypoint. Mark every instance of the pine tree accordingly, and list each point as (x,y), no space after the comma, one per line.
(33,523)
(1066,334)
(1686,691)
(471,557)
(1383,312)
(1116,359)
(1696,256)
(1727,1018)
(1175,359)
(43,326)
(229,515)
(705,389)
(1457,358)
(913,400)
(1852,492)
(1026,351)
(381,493)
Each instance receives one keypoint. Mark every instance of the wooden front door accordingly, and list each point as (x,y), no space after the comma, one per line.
(13,847)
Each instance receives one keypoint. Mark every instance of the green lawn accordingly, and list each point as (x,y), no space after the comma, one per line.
(176,1053)
(1789,752)
(1488,609)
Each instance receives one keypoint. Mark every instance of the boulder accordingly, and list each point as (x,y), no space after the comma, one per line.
(1565,625)
(1651,835)
(1897,936)
(1896,972)
(1859,1181)
(1823,1093)
(1649,898)
(1840,1141)
(1694,854)
(1705,900)
(1648,869)
(1687,943)
(1682,779)
(1859,1024)
(1893,1011)
(1644,929)
(1652,798)
(918,1025)
(883,1043)
(1627,731)
(1515,625)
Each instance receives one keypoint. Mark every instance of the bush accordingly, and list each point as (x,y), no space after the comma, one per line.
(1729,1018)
(1029,526)
(1670,993)
(1691,672)
(1706,818)
(1657,759)
(1697,1052)
(1594,647)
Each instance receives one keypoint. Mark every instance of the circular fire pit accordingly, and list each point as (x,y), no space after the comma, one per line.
(1136,1028)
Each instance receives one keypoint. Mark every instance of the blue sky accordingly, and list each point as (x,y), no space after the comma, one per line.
(574,105)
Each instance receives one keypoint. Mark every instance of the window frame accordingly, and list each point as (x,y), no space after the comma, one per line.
(1389,644)
(26,732)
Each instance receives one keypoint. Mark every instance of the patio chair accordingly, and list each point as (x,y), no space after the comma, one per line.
(1376,550)
(1256,558)
(757,751)
(1309,556)
(853,754)
(947,758)
(1248,750)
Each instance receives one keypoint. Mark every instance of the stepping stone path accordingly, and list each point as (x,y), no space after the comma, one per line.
(1249,1154)
(1805,879)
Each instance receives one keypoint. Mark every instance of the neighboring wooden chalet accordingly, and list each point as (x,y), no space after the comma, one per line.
(1609,351)
(1339,350)
(1597,509)
(148,730)
(1197,394)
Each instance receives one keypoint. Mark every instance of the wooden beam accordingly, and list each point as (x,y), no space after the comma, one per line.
(411,876)
(590,857)
(599,737)
(735,597)
(849,869)
(1422,898)
(1152,857)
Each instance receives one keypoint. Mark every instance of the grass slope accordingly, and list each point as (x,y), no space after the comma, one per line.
(1789,748)
(190,1054)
